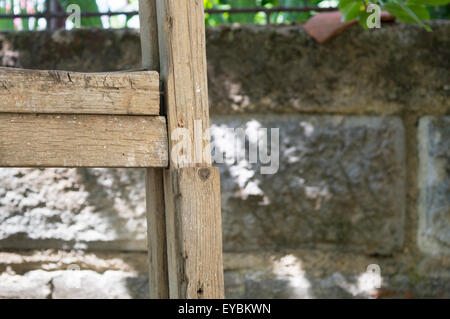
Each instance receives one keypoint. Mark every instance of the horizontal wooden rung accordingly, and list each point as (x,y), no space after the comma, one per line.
(62,92)
(29,140)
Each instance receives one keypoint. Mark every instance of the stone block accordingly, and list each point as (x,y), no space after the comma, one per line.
(73,208)
(434,185)
(340,181)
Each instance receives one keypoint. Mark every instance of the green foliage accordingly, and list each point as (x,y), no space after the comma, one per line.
(442,12)
(8,6)
(5,24)
(430,2)
(351,9)
(260,17)
(408,11)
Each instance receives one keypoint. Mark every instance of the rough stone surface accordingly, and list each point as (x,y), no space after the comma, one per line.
(83,50)
(387,70)
(32,285)
(265,285)
(91,285)
(331,223)
(340,182)
(50,260)
(301,274)
(319,273)
(72,208)
(62,274)
(83,284)
(434,183)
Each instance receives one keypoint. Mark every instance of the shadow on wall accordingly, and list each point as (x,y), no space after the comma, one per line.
(339,181)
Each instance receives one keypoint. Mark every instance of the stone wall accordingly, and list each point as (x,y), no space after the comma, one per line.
(364,170)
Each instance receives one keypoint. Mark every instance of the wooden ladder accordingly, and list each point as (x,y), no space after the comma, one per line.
(69,119)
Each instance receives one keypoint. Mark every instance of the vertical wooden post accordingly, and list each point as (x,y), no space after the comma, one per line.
(194,233)
(156,234)
(188,205)
(192,186)
(156,223)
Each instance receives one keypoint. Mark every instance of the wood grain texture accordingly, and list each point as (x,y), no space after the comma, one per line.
(156,218)
(62,92)
(191,194)
(149,34)
(181,26)
(28,140)
(194,233)
(156,234)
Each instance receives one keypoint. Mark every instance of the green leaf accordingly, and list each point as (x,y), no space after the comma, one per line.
(350,9)
(430,2)
(404,15)
(409,13)
(362,19)
(343,3)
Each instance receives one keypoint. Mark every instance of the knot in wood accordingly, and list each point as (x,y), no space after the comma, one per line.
(204,173)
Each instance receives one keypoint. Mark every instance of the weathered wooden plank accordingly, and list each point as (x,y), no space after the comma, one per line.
(192,195)
(194,231)
(182,50)
(62,92)
(156,218)
(28,140)
(149,34)
(156,234)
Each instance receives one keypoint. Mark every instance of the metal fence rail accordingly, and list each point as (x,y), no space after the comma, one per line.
(268,11)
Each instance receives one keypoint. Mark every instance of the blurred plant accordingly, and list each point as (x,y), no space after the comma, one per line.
(257,18)
(21,7)
(408,11)
(38,6)
(442,12)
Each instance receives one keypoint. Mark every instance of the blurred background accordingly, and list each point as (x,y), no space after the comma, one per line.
(364,178)
(123,13)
